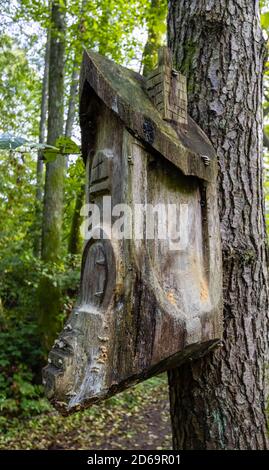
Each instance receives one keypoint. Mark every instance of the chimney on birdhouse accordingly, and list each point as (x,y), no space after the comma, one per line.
(167,88)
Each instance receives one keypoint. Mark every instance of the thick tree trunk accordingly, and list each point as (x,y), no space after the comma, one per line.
(49,294)
(219,402)
(42,136)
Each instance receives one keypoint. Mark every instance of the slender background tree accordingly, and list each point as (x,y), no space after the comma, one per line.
(51,248)
(42,138)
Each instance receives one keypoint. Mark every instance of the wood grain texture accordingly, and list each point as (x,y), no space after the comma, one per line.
(167,89)
(144,306)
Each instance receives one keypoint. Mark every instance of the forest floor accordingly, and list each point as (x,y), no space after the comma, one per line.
(135,419)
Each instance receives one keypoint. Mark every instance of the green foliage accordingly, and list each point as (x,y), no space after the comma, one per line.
(20,89)
(67,146)
(20,273)
(57,286)
(114,28)
(20,276)
(265,20)
(18,143)
(17,192)
(20,356)
(156,26)
(123,421)
(107,25)
(10,142)
(63,146)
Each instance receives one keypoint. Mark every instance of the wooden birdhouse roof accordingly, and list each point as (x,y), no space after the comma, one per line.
(127,94)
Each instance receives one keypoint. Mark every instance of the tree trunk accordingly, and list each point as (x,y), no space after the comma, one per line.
(53,197)
(39,164)
(74,245)
(74,239)
(49,294)
(74,235)
(72,99)
(219,402)
(73,92)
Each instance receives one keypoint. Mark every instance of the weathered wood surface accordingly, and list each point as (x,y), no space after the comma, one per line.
(167,88)
(124,92)
(143,307)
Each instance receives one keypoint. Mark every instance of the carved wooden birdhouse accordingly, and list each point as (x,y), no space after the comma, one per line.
(151,282)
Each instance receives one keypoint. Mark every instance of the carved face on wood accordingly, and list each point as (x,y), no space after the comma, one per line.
(145,303)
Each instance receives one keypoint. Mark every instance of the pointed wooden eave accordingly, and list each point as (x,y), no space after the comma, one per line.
(124,92)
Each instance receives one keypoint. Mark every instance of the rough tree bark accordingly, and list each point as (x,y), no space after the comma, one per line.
(49,295)
(219,402)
